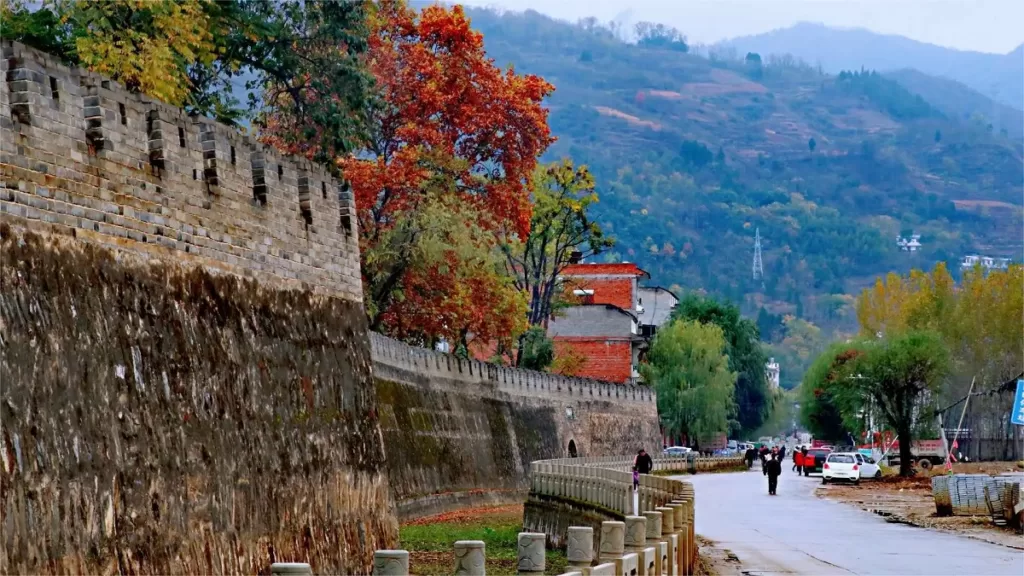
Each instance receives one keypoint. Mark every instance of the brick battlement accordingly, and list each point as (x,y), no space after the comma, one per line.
(81,155)
(399,361)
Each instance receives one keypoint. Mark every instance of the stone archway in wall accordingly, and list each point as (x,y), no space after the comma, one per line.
(572,448)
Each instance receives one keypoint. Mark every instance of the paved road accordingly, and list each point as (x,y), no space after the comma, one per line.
(797,533)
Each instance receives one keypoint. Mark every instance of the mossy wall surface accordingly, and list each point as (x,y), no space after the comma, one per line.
(157,419)
(452,444)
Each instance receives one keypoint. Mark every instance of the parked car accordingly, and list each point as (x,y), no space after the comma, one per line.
(676,451)
(841,466)
(868,467)
(815,459)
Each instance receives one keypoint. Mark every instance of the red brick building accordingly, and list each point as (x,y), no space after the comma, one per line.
(603,328)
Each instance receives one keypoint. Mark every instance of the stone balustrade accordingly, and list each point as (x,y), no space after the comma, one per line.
(652,536)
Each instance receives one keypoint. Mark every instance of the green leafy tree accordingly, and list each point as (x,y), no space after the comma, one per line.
(307,62)
(538,351)
(898,377)
(560,225)
(688,367)
(819,411)
(743,348)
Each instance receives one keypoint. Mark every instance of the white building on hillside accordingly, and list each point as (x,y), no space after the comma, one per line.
(771,370)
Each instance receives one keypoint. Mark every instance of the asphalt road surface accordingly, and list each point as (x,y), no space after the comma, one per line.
(795,532)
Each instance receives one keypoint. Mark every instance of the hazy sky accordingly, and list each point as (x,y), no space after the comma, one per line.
(982,25)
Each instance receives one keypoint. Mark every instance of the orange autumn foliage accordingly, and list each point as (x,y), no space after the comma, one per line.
(447,122)
(442,97)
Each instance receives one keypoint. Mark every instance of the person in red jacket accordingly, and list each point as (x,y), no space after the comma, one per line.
(798,461)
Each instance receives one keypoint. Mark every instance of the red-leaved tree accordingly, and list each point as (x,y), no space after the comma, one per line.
(452,142)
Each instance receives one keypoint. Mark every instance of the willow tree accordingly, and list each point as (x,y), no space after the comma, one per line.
(688,368)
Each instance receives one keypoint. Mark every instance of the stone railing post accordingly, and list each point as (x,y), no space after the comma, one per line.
(579,548)
(390,563)
(655,541)
(682,532)
(668,535)
(470,558)
(613,544)
(636,543)
(530,555)
(290,568)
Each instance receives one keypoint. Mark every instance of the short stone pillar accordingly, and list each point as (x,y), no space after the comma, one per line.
(470,558)
(636,542)
(291,568)
(391,563)
(606,569)
(654,540)
(531,552)
(683,530)
(579,548)
(613,543)
(669,537)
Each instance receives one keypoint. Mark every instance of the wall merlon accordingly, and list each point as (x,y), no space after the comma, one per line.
(399,360)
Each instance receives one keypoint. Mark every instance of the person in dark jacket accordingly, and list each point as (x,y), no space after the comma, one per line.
(808,464)
(750,455)
(782,453)
(773,470)
(642,464)
(764,459)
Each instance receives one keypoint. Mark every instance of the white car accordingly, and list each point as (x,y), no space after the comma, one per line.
(868,467)
(841,466)
(676,451)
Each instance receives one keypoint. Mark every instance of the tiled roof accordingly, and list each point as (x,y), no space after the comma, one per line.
(624,268)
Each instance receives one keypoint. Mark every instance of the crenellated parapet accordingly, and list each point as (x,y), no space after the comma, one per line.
(391,355)
(82,155)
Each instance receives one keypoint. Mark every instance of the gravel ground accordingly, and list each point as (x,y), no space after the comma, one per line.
(909,500)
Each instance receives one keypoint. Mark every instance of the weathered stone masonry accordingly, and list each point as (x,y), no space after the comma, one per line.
(83,156)
(185,380)
(463,433)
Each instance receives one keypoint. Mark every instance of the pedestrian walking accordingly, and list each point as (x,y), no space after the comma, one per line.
(642,464)
(782,453)
(807,462)
(797,461)
(774,469)
(749,456)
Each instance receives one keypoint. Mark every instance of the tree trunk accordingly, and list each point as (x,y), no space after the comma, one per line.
(906,453)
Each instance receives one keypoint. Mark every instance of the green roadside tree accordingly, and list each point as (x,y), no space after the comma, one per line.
(819,411)
(688,368)
(900,376)
(743,348)
(895,378)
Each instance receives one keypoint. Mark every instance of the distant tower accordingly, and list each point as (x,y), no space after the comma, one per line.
(758,267)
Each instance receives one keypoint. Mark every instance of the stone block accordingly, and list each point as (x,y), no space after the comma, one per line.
(291,568)
(470,558)
(606,569)
(636,532)
(613,538)
(530,555)
(654,524)
(391,563)
(580,545)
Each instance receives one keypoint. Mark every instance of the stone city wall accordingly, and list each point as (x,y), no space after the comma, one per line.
(83,156)
(158,419)
(185,371)
(463,432)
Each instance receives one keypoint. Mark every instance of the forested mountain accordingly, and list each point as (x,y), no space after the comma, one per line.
(692,155)
(998,75)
